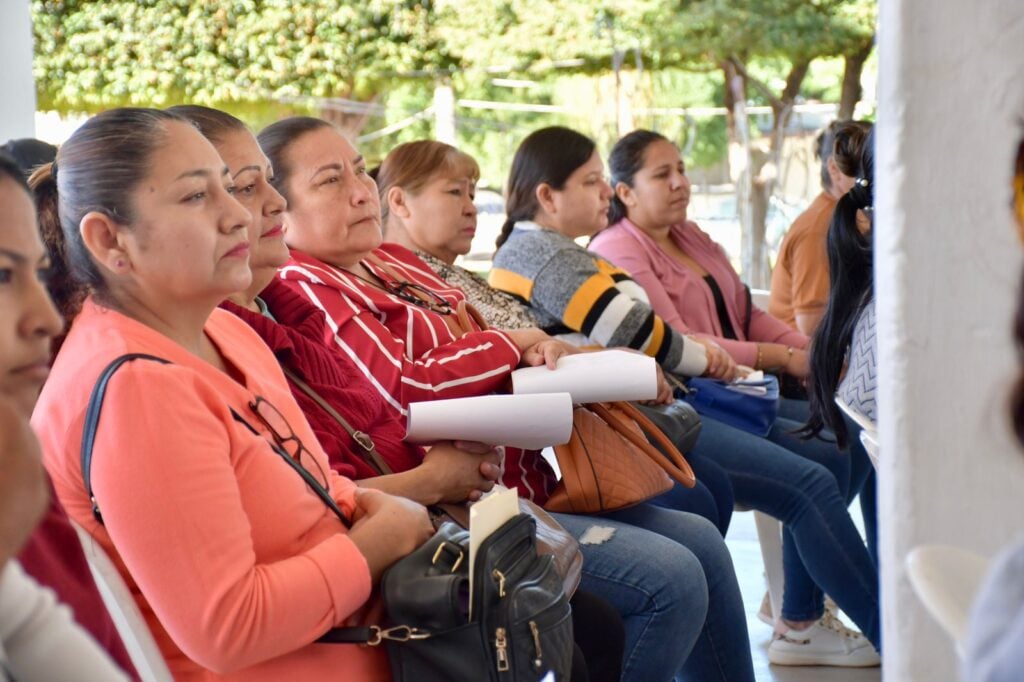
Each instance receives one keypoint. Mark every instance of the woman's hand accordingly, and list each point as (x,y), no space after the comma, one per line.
(386,528)
(720,363)
(24,493)
(461,471)
(538,348)
(665,393)
(547,353)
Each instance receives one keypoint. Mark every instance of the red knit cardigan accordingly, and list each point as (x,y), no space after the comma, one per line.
(337,381)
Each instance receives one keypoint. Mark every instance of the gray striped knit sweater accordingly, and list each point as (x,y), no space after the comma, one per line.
(572,290)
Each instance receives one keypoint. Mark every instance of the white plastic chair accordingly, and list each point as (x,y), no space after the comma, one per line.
(946,580)
(869,429)
(138,640)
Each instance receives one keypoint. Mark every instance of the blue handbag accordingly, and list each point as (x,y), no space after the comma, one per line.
(724,402)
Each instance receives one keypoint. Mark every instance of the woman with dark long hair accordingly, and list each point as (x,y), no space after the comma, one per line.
(846,335)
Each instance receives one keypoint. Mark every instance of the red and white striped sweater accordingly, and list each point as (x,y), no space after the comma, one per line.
(407,352)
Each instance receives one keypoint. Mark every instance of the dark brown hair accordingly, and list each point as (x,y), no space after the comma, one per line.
(97,169)
(848,147)
(626,159)
(277,138)
(851,288)
(547,156)
(214,124)
(843,140)
(413,164)
(9,168)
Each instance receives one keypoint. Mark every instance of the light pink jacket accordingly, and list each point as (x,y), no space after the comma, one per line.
(682,298)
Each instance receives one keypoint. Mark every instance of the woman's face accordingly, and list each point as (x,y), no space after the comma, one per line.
(580,208)
(190,243)
(441,218)
(251,174)
(28,320)
(333,210)
(660,193)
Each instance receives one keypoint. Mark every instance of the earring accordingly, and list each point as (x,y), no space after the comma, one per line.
(119,264)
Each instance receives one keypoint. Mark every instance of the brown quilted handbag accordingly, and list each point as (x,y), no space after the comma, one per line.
(608,464)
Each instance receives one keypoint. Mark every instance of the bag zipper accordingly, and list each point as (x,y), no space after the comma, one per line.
(501,649)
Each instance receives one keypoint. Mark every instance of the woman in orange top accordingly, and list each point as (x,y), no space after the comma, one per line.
(236,564)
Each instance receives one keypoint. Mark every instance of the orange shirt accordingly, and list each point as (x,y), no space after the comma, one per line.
(236,565)
(800,279)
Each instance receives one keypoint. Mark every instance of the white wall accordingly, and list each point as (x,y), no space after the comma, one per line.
(16,82)
(947,261)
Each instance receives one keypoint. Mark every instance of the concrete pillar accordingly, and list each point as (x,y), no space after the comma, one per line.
(947,265)
(17,115)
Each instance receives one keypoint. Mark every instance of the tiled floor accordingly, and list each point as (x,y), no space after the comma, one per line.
(746,556)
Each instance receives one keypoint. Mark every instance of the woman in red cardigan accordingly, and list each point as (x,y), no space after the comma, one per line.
(444,474)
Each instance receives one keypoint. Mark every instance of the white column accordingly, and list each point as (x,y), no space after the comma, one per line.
(947,265)
(444,113)
(17,114)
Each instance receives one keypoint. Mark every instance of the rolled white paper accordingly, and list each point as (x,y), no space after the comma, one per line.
(531,422)
(596,377)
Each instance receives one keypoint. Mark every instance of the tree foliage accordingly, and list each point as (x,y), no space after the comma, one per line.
(92,55)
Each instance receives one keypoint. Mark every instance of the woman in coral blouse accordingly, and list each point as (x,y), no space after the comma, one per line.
(237,564)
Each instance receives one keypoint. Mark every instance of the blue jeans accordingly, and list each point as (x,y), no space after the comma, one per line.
(794,485)
(803,598)
(711,498)
(670,577)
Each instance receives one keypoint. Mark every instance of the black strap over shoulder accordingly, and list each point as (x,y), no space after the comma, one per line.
(92,419)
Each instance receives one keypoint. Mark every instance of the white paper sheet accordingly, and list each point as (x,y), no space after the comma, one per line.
(596,377)
(523,421)
(485,517)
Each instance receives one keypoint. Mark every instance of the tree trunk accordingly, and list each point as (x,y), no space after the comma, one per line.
(851,92)
(764,168)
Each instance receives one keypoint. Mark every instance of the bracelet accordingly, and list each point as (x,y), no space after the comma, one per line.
(757,362)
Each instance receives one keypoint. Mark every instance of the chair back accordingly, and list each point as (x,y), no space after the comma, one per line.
(946,580)
(132,627)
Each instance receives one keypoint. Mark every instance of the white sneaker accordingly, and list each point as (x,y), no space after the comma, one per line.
(827,642)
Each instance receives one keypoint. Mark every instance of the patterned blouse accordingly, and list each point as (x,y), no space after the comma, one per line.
(501,310)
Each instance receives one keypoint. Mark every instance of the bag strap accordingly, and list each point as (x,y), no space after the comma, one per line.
(366,447)
(675,465)
(310,480)
(464,317)
(92,420)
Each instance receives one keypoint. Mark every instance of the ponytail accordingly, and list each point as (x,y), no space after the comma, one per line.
(506,231)
(66,291)
(850,261)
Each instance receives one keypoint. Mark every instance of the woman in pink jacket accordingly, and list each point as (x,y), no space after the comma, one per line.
(693,287)
(237,563)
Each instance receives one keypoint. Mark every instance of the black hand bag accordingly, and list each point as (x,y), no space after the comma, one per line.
(522,623)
